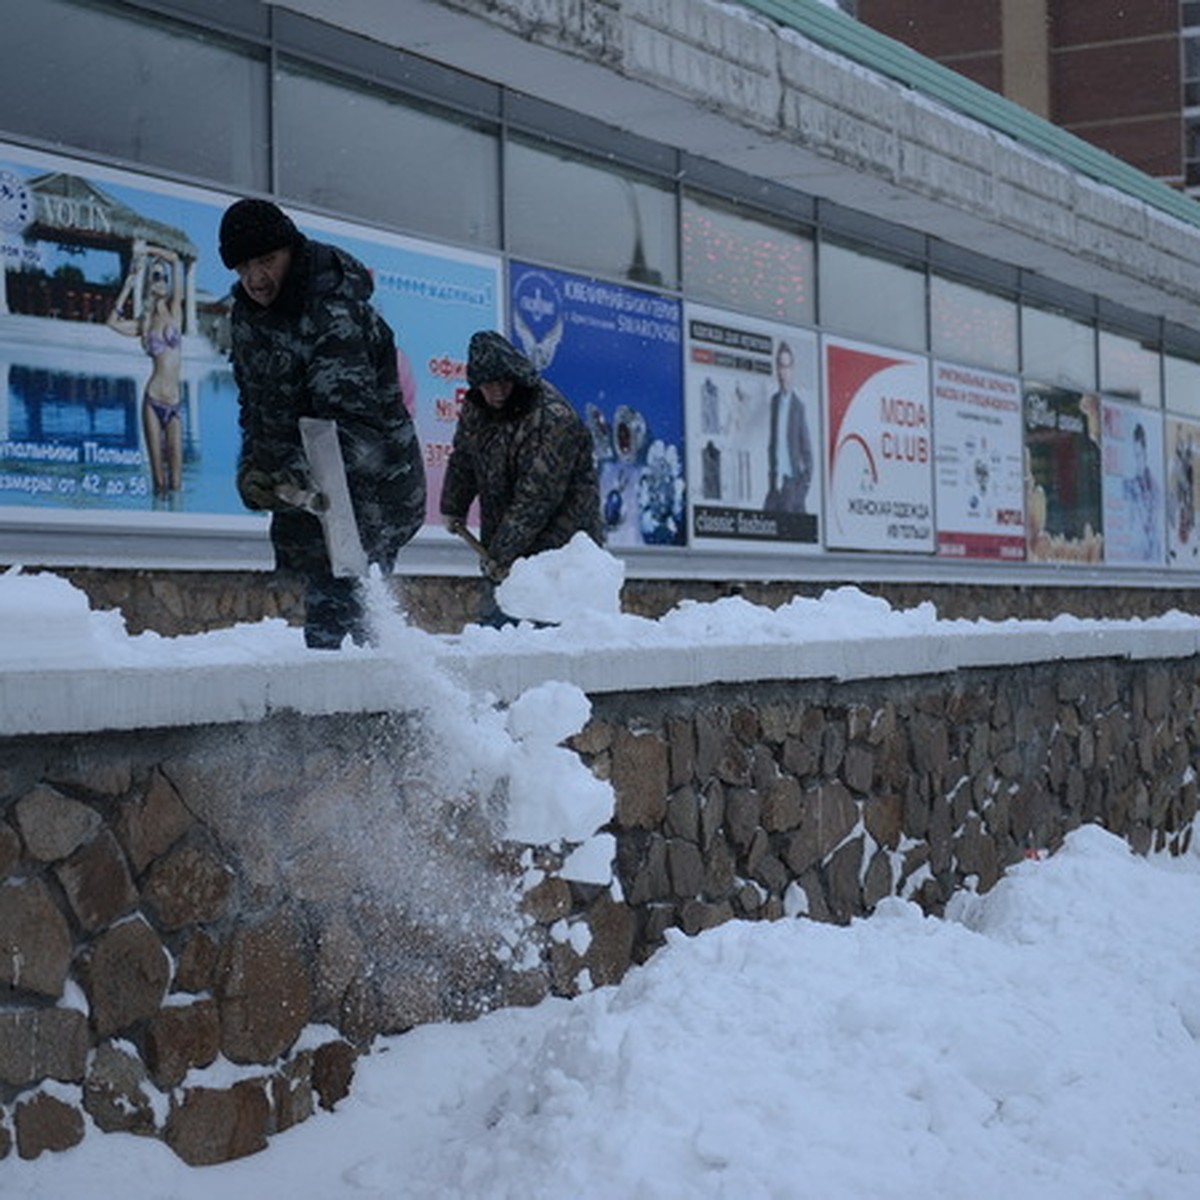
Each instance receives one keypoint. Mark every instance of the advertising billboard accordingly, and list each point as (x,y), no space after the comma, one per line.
(102,412)
(980,488)
(753,415)
(614,352)
(879,448)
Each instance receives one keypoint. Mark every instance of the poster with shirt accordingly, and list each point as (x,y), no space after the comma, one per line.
(754,457)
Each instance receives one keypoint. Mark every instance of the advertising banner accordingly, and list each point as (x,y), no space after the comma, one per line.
(614,352)
(1063,513)
(1135,512)
(100,412)
(754,457)
(879,449)
(1183,492)
(980,487)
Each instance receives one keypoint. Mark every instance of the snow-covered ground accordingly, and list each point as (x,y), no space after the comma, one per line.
(1041,1042)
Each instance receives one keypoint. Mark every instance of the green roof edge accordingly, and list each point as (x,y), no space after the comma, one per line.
(833,29)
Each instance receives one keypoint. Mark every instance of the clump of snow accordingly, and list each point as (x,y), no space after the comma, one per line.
(558,585)
(552,796)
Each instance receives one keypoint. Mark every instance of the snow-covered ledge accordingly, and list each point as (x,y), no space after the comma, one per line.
(67,669)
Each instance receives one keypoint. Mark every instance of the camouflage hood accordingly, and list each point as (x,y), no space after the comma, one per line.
(491,357)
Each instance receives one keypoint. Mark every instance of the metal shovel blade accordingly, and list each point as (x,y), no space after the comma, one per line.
(347,558)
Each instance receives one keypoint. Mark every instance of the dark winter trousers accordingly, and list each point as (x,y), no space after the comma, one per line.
(333,607)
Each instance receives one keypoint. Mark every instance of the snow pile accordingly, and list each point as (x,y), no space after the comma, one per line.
(560,585)
(1043,1045)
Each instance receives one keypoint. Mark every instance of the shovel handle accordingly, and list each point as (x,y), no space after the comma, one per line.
(472,541)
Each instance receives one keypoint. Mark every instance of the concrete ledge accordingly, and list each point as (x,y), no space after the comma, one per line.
(175,687)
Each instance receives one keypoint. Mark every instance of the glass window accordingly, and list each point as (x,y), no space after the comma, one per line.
(1183,384)
(746,263)
(580,214)
(871,298)
(369,154)
(1129,368)
(973,326)
(1056,348)
(135,89)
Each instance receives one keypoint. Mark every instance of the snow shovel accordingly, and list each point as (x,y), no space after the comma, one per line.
(472,541)
(329,500)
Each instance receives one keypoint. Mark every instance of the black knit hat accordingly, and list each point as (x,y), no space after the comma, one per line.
(251,228)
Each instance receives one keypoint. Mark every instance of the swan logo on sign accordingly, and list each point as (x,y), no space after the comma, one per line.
(537,315)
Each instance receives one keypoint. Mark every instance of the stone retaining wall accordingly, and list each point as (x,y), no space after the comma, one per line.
(273,895)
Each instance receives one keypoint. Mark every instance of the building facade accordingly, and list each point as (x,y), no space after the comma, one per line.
(992,327)
(1125,77)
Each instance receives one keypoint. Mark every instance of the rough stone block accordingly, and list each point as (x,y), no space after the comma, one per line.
(647,878)
(683,815)
(42,1043)
(884,819)
(782,805)
(640,775)
(216,1125)
(10,850)
(843,874)
(52,825)
(188,886)
(743,812)
(685,866)
(46,1123)
(610,951)
(548,900)
(151,825)
(830,814)
(126,976)
(681,749)
(859,769)
(878,881)
(292,1093)
(35,941)
(115,1092)
(97,883)
(697,915)
(333,1072)
(196,968)
(180,1037)
(264,991)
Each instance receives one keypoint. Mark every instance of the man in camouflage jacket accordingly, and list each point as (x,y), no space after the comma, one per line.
(306,341)
(526,454)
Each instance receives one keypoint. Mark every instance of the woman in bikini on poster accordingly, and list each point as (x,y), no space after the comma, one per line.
(159,326)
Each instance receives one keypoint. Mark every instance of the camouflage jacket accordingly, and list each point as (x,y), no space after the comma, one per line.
(531,466)
(322,350)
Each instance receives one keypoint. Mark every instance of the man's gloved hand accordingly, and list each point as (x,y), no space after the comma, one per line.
(272,491)
(495,571)
(257,489)
(454,525)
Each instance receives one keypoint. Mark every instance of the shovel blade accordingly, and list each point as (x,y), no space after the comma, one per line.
(347,558)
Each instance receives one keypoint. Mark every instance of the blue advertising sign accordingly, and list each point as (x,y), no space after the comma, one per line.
(615,353)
